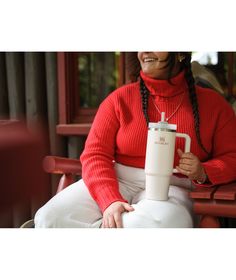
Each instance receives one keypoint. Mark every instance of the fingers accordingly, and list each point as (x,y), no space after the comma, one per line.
(104,223)
(183,155)
(183,171)
(112,214)
(109,222)
(128,207)
(186,167)
(117,216)
(187,161)
(188,164)
(180,152)
(118,221)
(112,221)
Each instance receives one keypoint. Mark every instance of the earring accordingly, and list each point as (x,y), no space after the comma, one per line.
(181,57)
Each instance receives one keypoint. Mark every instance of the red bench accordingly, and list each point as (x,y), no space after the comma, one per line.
(211,203)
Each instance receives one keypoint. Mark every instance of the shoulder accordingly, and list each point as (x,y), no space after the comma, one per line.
(210,97)
(122,95)
(208,93)
(126,89)
(213,103)
(125,92)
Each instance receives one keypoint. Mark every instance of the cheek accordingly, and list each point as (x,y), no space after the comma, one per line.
(161,55)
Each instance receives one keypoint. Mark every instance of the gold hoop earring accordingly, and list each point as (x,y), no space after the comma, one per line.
(181,58)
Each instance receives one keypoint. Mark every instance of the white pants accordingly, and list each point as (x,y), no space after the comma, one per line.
(74,206)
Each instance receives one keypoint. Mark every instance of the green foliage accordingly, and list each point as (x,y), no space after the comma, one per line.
(98,75)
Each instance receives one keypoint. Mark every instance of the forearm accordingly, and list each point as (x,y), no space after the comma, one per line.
(221,170)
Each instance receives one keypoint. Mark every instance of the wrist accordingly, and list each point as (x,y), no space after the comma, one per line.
(202,179)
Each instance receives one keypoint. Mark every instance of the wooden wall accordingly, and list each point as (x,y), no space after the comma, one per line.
(28,91)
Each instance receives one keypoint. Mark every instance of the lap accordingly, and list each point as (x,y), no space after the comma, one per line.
(72,207)
(158,214)
(175,212)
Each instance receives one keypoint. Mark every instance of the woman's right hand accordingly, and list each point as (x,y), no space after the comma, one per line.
(112,214)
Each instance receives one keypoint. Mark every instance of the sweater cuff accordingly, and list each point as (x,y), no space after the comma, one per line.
(207,184)
(213,173)
(106,196)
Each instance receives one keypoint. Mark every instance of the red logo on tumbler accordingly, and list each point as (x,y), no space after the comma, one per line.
(162,141)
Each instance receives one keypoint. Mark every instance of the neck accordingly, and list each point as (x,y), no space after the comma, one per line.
(166,88)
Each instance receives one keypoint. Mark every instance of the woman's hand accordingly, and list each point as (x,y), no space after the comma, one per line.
(112,215)
(190,165)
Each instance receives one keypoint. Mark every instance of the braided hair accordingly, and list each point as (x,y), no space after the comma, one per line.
(193,98)
(170,62)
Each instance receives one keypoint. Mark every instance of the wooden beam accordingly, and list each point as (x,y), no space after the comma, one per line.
(74,129)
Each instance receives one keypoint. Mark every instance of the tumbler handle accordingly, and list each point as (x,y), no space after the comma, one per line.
(187,144)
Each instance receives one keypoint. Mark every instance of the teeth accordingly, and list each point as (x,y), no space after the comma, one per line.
(149,59)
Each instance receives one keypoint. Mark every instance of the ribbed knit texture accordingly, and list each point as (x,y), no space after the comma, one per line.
(119,133)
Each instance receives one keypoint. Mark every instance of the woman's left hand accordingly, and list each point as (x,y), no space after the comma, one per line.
(190,165)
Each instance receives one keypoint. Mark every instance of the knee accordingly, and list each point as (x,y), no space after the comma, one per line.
(178,216)
(45,218)
(153,214)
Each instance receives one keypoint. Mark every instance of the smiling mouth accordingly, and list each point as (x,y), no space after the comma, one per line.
(150,59)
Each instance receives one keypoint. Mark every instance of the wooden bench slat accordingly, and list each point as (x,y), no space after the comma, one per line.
(203,192)
(226,192)
(214,208)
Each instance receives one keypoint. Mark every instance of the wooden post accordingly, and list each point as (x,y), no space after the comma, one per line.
(35,88)
(4,108)
(75,146)
(62,90)
(208,221)
(16,84)
(57,142)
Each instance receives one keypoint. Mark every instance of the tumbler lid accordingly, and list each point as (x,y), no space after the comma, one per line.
(162,125)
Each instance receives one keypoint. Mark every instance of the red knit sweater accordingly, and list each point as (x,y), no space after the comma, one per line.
(119,133)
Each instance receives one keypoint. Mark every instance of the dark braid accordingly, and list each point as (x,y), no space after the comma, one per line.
(144,94)
(193,98)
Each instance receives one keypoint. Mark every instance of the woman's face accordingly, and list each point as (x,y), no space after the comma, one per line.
(153,64)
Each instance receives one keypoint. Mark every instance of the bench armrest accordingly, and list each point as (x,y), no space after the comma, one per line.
(60,165)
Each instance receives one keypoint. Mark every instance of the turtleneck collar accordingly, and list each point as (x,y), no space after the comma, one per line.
(163,87)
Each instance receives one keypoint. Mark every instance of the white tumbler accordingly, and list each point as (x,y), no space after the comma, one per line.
(160,157)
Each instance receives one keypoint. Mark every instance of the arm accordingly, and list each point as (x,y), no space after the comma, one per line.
(98,156)
(221,168)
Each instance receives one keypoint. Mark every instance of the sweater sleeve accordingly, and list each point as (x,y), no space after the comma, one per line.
(221,168)
(98,156)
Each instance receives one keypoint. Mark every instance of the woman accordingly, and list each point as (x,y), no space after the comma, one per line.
(113,186)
